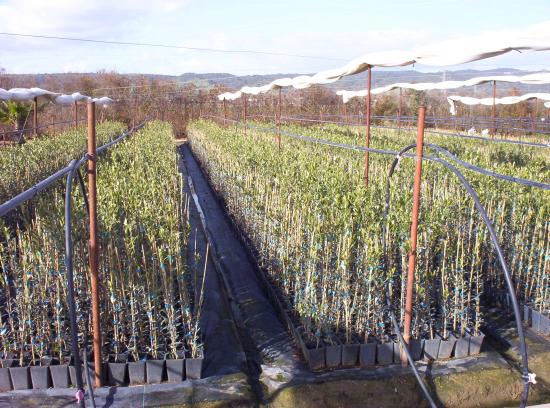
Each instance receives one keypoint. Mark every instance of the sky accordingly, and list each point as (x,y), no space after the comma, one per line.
(335,31)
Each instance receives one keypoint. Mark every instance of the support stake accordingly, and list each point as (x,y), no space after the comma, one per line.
(494,110)
(93,243)
(279,121)
(367,135)
(414,227)
(35,116)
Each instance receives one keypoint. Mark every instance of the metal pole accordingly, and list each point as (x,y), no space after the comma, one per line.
(93,244)
(75,113)
(414,226)
(35,115)
(279,121)
(367,135)
(244,112)
(494,112)
(399,110)
(224,113)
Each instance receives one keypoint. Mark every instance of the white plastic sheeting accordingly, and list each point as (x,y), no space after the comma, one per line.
(535,38)
(532,79)
(507,100)
(44,96)
(547,105)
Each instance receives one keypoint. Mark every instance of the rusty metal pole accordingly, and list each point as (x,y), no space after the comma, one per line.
(244,112)
(494,111)
(224,113)
(367,135)
(414,228)
(35,115)
(93,243)
(399,110)
(75,114)
(279,121)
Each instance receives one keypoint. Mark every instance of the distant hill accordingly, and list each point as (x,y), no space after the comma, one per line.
(380,77)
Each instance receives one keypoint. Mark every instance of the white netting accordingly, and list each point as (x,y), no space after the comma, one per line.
(507,100)
(532,79)
(44,96)
(452,53)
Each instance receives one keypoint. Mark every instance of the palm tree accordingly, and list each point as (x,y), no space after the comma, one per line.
(15,114)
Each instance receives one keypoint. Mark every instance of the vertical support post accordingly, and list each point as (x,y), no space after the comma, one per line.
(245,100)
(414,227)
(35,116)
(224,113)
(279,120)
(367,133)
(93,243)
(345,112)
(400,110)
(75,114)
(494,110)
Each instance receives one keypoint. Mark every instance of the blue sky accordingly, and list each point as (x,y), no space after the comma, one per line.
(344,29)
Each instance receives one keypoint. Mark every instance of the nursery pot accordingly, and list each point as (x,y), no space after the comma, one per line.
(5,381)
(527,315)
(20,378)
(316,358)
(155,371)
(415,348)
(367,355)
(175,369)
(431,348)
(446,347)
(350,355)
(136,372)
(535,317)
(116,373)
(462,347)
(333,356)
(60,375)
(475,343)
(40,376)
(384,353)
(193,368)
(545,325)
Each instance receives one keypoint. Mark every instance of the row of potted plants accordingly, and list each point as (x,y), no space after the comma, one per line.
(120,373)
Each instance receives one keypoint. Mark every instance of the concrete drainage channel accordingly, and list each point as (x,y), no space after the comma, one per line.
(251,359)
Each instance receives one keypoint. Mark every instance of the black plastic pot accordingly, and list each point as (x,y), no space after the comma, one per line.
(462,347)
(367,355)
(384,353)
(527,315)
(5,381)
(475,344)
(350,355)
(446,347)
(535,318)
(60,376)
(415,348)
(20,378)
(155,371)
(333,356)
(316,359)
(136,373)
(40,377)
(545,325)
(193,368)
(116,374)
(175,369)
(431,348)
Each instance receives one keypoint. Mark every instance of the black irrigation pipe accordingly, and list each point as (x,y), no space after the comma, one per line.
(469,166)
(42,185)
(527,378)
(435,132)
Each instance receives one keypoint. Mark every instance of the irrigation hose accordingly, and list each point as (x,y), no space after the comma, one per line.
(527,377)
